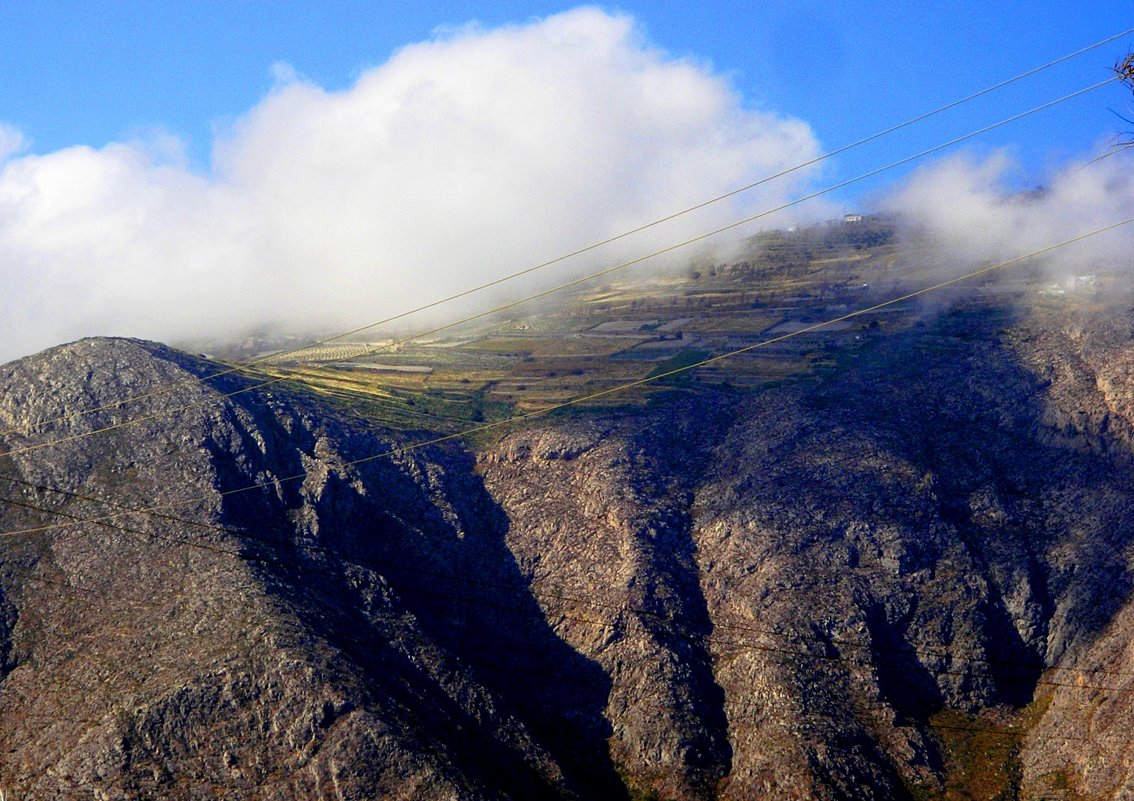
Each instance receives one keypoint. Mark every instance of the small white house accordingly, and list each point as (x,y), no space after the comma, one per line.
(852,218)
(1079,283)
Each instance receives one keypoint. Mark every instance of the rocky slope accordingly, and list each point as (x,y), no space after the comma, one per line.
(837,589)
(271,646)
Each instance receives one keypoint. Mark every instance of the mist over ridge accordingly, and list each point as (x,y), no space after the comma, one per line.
(967,208)
(460,159)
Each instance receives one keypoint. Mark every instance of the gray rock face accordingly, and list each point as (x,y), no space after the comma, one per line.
(806,593)
(282,641)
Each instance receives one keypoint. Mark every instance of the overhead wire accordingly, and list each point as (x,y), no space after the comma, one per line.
(965,673)
(742,645)
(819,325)
(983,270)
(741,350)
(580,399)
(581,280)
(936,725)
(709,360)
(907,296)
(390,405)
(610,240)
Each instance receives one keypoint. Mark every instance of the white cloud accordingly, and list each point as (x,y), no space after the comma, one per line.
(459,160)
(11,142)
(284,74)
(969,208)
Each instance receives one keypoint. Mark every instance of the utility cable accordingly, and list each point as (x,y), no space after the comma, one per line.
(596,245)
(710,360)
(583,279)
(813,328)
(403,450)
(386,566)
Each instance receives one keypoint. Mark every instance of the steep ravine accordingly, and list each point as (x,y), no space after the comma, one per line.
(924,531)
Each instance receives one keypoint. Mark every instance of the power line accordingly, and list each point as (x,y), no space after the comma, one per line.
(388,403)
(746,645)
(596,245)
(578,281)
(712,360)
(385,566)
(406,449)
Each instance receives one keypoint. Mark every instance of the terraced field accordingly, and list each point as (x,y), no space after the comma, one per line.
(623,331)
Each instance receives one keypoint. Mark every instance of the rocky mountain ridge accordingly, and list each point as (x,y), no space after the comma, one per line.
(826,589)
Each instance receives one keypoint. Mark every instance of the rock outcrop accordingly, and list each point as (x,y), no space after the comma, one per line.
(271,626)
(824,590)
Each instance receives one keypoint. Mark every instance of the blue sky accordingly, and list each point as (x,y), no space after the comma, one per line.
(182,169)
(91,73)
